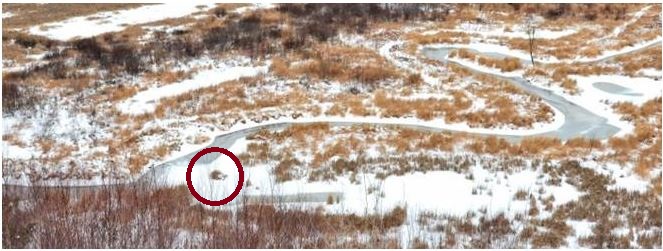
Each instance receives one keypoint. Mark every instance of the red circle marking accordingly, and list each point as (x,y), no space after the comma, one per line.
(239,183)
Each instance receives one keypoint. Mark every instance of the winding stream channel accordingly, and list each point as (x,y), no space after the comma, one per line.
(578,122)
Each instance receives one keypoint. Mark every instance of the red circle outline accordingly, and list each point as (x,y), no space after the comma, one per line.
(239,182)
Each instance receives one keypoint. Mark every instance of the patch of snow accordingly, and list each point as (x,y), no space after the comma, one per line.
(592,98)
(253,7)
(112,21)
(146,101)
(7,14)
(651,72)
(10,151)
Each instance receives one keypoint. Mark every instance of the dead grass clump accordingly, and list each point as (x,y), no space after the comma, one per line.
(13,139)
(644,165)
(440,37)
(336,110)
(62,151)
(583,143)
(388,106)
(414,79)
(137,162)
(592,51)
(490,144)
(280,67)
(260,152)
(521,195)
(535,71)
(283,169)
(547,240)
(167,77)
(199,139)
(162,150)
(570,86)
(506,64)
(357,107)
(438,141)
(536,145)
(623,146)
(45,144)
(425,114)
(122,92)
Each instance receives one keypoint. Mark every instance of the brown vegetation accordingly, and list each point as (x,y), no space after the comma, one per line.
(506,64)
(440,37)
(338,63)
(161,217)
(643,146)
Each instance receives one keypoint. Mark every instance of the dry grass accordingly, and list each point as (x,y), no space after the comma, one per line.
(506,64)
(440,37)
(634,62)
(570,86)
(338,63)
(45,144)
(167,77)
(121,93)
(161,216)
(229,96)
(643,146)
(13,139)
(14,52)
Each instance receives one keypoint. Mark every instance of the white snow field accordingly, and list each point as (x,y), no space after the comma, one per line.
(111,21)
(482,189)
(637,91)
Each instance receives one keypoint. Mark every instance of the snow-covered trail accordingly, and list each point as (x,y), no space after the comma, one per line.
(578,121)
(489,48)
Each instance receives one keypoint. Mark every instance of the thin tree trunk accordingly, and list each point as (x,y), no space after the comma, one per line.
(531,46)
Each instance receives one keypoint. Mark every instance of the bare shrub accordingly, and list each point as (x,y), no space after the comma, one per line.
(17,97)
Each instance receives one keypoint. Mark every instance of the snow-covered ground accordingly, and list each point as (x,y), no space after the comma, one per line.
(7,14)
(110,21)
(636,91)
(146,101)
(599,101)
(430,191)
(444,192)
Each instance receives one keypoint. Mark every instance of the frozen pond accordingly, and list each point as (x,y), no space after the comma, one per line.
(615,89)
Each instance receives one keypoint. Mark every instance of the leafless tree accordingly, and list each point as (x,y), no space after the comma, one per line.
(530,24)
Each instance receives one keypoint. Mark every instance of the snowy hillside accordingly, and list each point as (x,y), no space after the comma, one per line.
(357,125)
